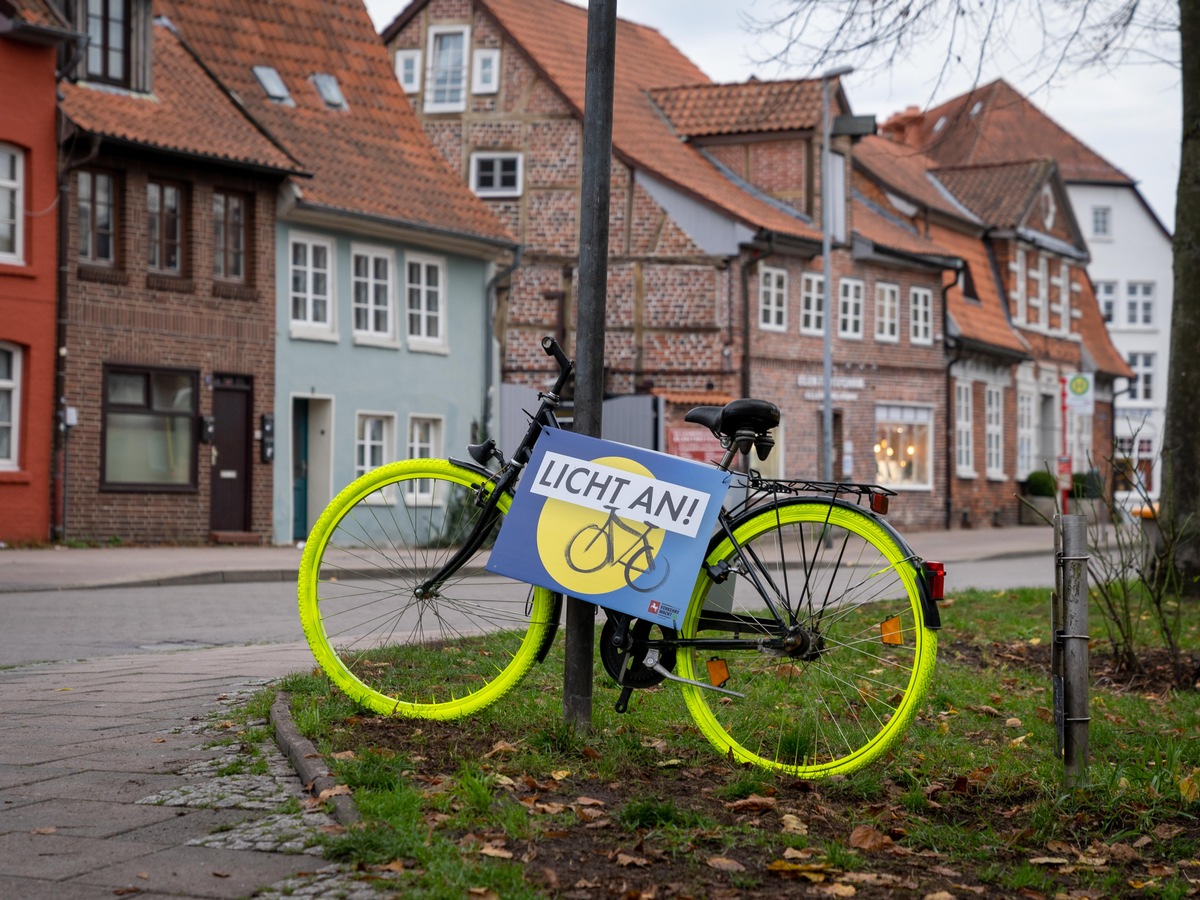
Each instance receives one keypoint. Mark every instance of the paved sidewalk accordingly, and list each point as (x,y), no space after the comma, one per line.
(109,785)
(60,568)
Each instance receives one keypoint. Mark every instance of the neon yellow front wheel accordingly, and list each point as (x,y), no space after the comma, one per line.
(390,640)
(860,655)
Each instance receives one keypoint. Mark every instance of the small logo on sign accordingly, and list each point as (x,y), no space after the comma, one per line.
(654,606)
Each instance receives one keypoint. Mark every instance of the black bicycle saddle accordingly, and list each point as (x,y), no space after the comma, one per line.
(759,416)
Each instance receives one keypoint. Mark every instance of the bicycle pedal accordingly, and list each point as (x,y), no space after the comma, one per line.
(651,662)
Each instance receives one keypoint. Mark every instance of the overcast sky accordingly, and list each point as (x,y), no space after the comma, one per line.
(1130,116)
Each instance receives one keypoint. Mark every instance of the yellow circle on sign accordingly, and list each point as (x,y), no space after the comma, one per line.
(1078,385)
(592,542)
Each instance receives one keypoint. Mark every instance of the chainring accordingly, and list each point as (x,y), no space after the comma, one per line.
(633,674)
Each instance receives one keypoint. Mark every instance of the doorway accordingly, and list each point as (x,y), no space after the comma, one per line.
(229,508)
(312,461)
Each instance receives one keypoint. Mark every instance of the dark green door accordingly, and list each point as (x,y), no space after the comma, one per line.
(299,470)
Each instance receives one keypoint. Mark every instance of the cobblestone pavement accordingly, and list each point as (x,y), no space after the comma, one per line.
(138,776)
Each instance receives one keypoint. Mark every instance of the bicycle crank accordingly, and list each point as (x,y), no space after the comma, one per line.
(651,662)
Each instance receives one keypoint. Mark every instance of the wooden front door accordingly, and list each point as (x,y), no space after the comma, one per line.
(230,509)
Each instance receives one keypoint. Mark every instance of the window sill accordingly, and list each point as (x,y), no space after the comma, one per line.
(101,274)
(362,339)
(174,283)
(12,269)
(966,473)
(773,329)
(437,349)
(910,488)
(997,476)
(15,476)
(308,333)
(148,489)
(886,340)
(850,337)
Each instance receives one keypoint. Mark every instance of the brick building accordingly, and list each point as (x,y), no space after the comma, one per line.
(169,295)
(715,275)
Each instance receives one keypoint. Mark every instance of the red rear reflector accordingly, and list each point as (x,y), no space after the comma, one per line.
(935,576)
(879,504)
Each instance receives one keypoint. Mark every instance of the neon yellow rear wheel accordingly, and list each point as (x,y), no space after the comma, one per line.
(846,699)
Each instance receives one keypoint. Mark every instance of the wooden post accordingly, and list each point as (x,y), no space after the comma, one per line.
(1069,651)
(589,347)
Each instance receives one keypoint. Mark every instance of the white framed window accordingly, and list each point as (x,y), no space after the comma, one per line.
(424,442)
(993,413)
(273,85)
(1134,473)
(372,292)
(964,435)
(10,406)
(425,290)
(1139,304)
(1106,296)
(904,447)
(1102,222)
(772,299)
(12,205)
(96,216)
(485,71)
(497,174)
(1026,434)
(310,281)
(850,309)
(1038,311)
(446,78)
(1020,292)
(920,316)
(374,445)
(812,304)
(1141,386)
(149,434)
(330,90)
(887,313)
(408,70)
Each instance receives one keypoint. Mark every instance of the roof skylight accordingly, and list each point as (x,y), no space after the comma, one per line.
(329,89)
(272,83)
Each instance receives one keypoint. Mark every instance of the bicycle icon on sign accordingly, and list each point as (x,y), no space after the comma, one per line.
(593,548)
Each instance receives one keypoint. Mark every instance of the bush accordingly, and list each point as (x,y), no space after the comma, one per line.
(1041,483)
(1087,485)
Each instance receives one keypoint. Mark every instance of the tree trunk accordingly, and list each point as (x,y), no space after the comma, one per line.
(1181,448)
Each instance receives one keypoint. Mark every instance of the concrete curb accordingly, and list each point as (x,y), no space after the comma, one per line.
(308,761)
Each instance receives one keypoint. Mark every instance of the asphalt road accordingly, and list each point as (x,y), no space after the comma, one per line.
(46,626)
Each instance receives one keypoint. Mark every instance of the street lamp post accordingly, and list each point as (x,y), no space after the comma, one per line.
(826,250)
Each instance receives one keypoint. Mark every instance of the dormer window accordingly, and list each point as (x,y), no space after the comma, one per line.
(272,84)
(329,89)
(108,41)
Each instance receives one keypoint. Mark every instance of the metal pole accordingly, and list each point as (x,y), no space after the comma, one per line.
(589,340)
(1069,655)
(827,277)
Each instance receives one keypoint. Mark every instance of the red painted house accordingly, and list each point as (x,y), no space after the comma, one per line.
(31,33)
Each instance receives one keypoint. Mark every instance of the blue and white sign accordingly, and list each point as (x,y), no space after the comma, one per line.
(619,526)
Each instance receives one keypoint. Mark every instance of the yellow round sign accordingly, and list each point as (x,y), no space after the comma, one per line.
(1079,385)
(589,551)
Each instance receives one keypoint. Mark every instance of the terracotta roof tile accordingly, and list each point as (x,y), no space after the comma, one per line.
(704,110)
(998,193)
(552,33)
(37,12)
(906,171)
(183,96)
(996,123)
(371,158)
(884,232)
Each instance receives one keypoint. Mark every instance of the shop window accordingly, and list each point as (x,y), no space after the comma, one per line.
(149,428)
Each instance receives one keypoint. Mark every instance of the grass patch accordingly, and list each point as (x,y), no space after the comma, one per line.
(515,802)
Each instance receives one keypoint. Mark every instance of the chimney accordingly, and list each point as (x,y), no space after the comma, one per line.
(904,127)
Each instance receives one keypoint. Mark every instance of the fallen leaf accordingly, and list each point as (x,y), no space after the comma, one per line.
(1160,871)
(145,876)
(48,829)
(560,774)
(725,864)
(1166,831)
(220,874)
(500,747)
(625,859)
(589,801)
(497,852)
(939,895)
(802,853)
(159,741)
(864,837)
(836,890)
(1048,861)
(753,803)
(1189,788)
(126,891)
(793,825)
(1012,723)
(338,790)
(1121,852)
(483,893)
(396,865)
(814,872)
(343,754)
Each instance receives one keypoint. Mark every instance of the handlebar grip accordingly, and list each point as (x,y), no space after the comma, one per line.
(552,348)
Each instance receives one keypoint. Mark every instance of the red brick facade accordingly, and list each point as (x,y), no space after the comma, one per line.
(128,317)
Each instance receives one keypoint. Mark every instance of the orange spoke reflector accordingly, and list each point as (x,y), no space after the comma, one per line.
(718,672)
(890,629)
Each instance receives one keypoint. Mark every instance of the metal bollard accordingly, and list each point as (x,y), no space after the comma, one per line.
(1069,650)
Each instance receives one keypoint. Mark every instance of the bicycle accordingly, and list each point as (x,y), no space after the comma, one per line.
(636,561)
(806,646)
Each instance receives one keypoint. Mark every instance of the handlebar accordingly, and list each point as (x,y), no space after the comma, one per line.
(552,348)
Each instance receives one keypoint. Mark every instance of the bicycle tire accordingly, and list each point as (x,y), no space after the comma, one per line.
(843,706)
(438,657)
